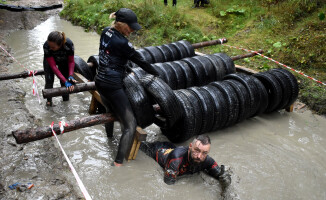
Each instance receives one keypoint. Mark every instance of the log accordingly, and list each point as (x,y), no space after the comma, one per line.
(79,87)
(33,134)
(238,57)
(23,74)
(208,43)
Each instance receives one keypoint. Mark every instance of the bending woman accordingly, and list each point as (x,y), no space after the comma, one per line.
(114,52)
(58,51)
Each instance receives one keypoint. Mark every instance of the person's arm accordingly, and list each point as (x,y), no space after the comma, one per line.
(171,170)
(139,60)
(54,68)
(218,172)
(71,65)
(134,56)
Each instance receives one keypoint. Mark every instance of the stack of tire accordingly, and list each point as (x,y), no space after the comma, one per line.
(219,104)
(167,52)
(192,71)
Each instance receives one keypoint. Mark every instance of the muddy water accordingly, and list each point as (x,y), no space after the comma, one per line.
(275,156)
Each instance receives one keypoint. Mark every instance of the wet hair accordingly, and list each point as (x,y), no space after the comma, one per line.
(57,37)
(204,139)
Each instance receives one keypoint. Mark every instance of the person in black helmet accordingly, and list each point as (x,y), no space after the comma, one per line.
(178,161)
(114,52)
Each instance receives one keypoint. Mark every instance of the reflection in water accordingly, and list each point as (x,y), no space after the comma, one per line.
(275,156)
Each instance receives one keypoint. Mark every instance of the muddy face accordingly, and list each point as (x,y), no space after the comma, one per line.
(198,151)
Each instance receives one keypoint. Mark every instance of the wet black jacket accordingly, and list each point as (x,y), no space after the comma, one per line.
(60,56)
(176,162)
(114,53)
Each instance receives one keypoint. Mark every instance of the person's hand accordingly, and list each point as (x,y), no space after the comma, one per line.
(72,80)
(69,86)
(224,177)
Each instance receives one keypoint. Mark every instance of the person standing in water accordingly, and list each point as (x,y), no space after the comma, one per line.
(178,161)
(59,51)
(114,52)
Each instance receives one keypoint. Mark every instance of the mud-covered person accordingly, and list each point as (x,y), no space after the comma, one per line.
(59,60)
(182,160)
(114,52)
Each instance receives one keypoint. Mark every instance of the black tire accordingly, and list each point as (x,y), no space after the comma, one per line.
(207,108)
(294,85)
(232,100)
(163,95)
(175,51)
(146,55)
(139,72)
(180,78)
(198,71)
(264,100)
(229,64)
(169,75)
(181,49)
(161,73)
(221,110)
(172,52)
(140,102)
(285,86)
(166,52)
(82,68)
(218,65)
(95,60)
(172,77)
(156,54)
(187,72)
(189,48)
(252,90)
(184,128)
(273,88)
(195,105)
(208,67)
(244,99)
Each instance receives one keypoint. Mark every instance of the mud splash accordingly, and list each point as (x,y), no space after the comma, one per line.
(275,156)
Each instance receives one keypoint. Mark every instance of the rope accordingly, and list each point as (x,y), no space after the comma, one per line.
(80,183)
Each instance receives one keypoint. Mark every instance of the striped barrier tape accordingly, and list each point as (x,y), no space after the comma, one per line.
(80,183)
(30,73)
(279,63)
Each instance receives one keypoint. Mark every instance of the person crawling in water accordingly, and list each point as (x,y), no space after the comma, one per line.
(178,161)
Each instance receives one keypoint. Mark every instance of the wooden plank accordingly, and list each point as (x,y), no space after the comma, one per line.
(245,70)
(290,108)
(131,153)
(136,151)
(93,106)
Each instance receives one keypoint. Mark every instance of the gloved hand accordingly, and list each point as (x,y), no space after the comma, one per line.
(68,84)
(72,80)
(224,177)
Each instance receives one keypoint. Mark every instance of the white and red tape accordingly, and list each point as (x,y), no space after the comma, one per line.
(279,63)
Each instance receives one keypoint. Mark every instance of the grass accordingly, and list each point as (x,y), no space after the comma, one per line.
(290,31)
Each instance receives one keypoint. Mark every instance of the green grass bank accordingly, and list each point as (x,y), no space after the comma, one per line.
(290,31)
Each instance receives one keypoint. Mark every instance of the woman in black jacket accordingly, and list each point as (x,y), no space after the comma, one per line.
(114,52)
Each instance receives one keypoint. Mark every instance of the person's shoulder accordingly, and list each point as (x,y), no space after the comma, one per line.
(69,42)
(46,45)
(179,152)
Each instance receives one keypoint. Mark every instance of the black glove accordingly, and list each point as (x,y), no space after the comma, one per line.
(224,177)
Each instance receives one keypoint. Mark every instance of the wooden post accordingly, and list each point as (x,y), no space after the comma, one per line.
(93,106)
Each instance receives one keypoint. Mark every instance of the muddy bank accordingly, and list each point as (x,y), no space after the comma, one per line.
(40,163)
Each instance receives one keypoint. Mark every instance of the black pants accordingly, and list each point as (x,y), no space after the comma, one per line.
(116,100)
(151,148)
(174,2)
(49,76)
(202,2)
